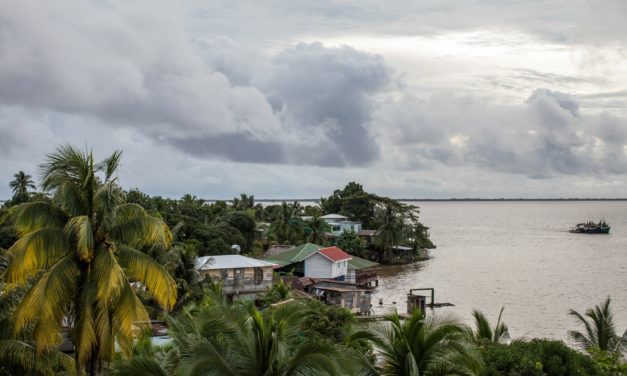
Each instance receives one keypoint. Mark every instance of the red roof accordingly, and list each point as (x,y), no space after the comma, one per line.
(335,254)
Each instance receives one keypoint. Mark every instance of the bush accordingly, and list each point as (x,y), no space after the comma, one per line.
(538,357)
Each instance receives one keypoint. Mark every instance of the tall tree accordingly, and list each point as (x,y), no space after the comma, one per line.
(19,185)
(389,231)
(315,229)
(599,329)
(81,249)
(288,227)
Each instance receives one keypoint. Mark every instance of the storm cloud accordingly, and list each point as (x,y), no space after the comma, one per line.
(460,96)
(540,138)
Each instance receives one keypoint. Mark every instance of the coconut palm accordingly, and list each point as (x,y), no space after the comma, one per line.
(389,231)
(315,229)
(218,339)
(20,186)
(484,331)
(599,329)
(422,345)
(81,249)
(288,227)
(260,345)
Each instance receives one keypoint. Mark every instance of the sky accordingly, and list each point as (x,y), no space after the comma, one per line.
(293,99)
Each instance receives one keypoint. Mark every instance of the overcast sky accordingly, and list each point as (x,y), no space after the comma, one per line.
(292,99)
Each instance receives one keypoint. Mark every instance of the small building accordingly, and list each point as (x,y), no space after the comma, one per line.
(368,236)
(362,272)
(241,277)
(312,260)
(342,294)
(340,224)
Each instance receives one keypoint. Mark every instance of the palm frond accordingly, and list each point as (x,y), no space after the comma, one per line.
(32,216)
(21,358)
(139,366)
(110,164)
(142,231)
(107,199)
(483,328)
(141,267)
(67,163)
(46,303)
(80,230)
(33,252)
(129,317)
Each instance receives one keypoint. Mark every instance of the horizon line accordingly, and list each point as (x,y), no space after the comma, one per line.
(424,199)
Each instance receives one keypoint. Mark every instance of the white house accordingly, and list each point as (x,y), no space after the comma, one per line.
(329,262)
(340,224)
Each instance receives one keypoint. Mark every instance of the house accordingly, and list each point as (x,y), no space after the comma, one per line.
(241,277)
(340,224)
(368,236)
(342,294)
(312,260)
(295,261)
(362,272)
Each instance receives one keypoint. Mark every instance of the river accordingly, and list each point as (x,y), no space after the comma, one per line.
(520,255)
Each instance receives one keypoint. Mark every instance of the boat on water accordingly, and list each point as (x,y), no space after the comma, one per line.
(591,228)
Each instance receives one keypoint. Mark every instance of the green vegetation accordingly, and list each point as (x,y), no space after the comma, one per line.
(484,332)
(600,330)
(420,345)
(20,186)
(78,254)
(538,357)
(86,260)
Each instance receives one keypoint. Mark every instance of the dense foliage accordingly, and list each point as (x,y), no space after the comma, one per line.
(538,357)
(78,254)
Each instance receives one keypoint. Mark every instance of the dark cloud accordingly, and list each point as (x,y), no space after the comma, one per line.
(234,147)
(205,95)
(330,91)
(545,137)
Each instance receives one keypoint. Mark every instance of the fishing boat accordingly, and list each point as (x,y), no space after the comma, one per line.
(591,228)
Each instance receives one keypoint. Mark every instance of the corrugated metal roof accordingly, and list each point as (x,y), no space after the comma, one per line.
(333,216)
(358,263)
(295,255)
(335,254)
(230,262)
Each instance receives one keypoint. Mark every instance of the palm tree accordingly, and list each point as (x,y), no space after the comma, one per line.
(81,249)
(20,186)
(389,231)
(484,331)
(218,339)
(288,227)
(600,330)
(315,228)
(422,345)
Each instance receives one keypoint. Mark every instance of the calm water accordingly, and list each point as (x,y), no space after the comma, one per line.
(518,254)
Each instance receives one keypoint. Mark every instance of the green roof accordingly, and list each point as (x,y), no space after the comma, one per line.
(294,255)
(303,251)
(357,263)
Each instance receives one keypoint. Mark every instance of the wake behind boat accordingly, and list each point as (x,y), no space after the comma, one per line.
(591,228)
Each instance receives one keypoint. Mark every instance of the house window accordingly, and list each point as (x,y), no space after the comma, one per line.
(258,276)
